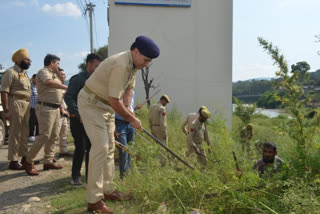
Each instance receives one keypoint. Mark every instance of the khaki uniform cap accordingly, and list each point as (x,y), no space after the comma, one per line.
(20,55)
(204,107)
(205,113)
(166,97)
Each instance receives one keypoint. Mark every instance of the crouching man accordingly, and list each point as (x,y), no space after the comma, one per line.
(270,164)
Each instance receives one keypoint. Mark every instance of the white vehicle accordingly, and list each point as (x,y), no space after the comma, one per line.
(3,128)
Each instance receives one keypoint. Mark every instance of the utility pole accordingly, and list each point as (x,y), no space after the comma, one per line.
(89,8)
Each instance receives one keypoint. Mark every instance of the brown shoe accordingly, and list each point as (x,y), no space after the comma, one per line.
(117,196)
(52,166)
(15,165)
(29,168)
(98,207)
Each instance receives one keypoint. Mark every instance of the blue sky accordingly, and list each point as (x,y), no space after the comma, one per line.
(58,27)
(289,24)
(50,26)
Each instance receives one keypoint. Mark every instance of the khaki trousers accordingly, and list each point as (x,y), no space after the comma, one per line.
(18,130)
(159,134)
(49,124)
(190,150)
(98,121)
(63,135)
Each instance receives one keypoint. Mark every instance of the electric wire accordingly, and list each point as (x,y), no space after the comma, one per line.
(81,6)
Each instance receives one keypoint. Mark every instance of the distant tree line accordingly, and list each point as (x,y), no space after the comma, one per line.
(265,93)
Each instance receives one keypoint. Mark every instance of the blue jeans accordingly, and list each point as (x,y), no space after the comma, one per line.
(126,135)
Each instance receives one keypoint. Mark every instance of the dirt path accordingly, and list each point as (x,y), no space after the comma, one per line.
(20,193)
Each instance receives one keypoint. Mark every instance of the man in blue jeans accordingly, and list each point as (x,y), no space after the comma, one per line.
(124,134)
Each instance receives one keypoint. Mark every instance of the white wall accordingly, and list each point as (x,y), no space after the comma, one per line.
(195,63)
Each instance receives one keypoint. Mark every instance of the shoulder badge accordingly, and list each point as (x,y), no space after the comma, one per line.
(21,75)
(163,114)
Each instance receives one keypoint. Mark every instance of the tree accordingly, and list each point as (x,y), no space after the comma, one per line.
(302,69)
(318,40)
(147,83)
(244,112)
(269,99)
(251,87)
(102,52)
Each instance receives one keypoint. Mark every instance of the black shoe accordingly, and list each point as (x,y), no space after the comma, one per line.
(67,154)
(76,182)
(15,165)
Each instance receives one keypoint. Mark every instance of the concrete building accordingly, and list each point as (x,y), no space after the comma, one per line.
(195,39)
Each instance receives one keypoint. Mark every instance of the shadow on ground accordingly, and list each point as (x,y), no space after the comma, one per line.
(22,195)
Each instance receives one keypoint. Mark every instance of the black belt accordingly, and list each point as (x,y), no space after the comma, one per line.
(122,121)
(49,104)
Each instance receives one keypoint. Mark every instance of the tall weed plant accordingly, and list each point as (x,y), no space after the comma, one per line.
(215,189)
(302,129)
(175,188)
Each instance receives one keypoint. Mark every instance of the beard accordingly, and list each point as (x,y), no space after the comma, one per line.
(25,66)
(266,160)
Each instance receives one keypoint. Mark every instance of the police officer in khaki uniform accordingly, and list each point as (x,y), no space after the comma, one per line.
(64,121)
(197,135)
(98,101)
(189,119)
(15,97)
(48,114)
(158,122)
(246,136)
(158,119)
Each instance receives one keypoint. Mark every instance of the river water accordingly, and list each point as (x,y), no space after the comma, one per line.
(268,112)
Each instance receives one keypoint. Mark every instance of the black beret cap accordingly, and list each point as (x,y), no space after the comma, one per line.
(147,47)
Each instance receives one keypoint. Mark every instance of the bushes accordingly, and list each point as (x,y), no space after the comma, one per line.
(299,197)
(217,189)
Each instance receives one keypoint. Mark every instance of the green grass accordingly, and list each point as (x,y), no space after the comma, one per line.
(216,189)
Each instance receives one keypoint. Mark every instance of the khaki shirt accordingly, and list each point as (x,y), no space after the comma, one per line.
(45,93)
(246,134)
(188,121)
(16,82)
(198,133)
(63,104)
(113,76)
(158,117)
